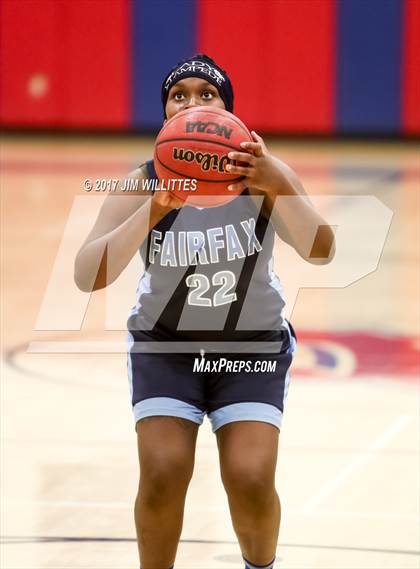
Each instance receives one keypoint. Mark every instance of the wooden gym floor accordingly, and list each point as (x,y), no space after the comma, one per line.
(348,463)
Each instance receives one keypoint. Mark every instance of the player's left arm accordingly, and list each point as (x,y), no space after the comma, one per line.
(296,220)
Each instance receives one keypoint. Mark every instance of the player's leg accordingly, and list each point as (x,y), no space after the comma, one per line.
(246,411)
(166,448)
(167,408)
(248,456)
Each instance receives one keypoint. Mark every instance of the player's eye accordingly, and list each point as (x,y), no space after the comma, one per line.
(207,95)
(178,96)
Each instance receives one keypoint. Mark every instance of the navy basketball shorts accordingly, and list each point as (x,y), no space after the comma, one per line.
(225,387)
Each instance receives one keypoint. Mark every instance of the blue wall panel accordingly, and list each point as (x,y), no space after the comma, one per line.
(163,32)
(369,65)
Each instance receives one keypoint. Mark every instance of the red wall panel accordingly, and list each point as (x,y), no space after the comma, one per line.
(411,68)
(280,54)
(65,63)
(30,87)
(96,62)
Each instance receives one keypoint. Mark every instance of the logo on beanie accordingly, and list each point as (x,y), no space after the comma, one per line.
(209,128)
(196,67)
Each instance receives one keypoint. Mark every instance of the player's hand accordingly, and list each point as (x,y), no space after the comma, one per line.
(256,164)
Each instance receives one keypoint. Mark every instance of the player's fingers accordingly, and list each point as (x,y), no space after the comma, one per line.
(237,187)
(254,147)
(242,157)
(240,170)
(261,143)
(249,145)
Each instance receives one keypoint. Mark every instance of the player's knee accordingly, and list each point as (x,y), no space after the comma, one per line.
(249,484)
(163,480)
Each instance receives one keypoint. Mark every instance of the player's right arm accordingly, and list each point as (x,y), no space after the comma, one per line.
(122,225)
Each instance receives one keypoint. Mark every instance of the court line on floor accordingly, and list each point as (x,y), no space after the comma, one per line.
(19,540)
(204,509)
(10,360)
(203,446)
(361,460)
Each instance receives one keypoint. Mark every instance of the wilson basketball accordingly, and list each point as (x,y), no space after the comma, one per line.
(194,145)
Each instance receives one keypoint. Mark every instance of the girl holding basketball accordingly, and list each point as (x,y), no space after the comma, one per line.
(203,306)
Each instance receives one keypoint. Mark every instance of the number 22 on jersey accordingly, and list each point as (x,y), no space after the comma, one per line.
(200,284)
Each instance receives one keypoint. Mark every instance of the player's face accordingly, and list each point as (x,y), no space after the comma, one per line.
(192,92)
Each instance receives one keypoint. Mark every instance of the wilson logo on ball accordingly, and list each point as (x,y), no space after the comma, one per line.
(209,128)
(206,160)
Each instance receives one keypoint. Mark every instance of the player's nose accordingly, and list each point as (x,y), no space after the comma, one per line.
(193,101)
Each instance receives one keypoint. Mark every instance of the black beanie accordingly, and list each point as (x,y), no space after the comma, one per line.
(202,66)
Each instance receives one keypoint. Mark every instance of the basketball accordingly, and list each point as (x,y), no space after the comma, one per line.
(195,145)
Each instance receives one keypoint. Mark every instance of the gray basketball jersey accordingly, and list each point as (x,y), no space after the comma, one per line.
(208,274)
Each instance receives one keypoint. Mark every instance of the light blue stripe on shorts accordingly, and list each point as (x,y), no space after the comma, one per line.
(167,407)
(246,411)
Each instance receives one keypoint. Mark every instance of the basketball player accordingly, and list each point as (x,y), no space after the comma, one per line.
(208,279)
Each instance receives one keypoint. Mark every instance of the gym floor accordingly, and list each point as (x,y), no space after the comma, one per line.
(348,471)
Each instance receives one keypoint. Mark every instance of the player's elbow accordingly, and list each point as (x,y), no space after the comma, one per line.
(319,260)
(84,279)
(323,250)
(88,285)
(82,283)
